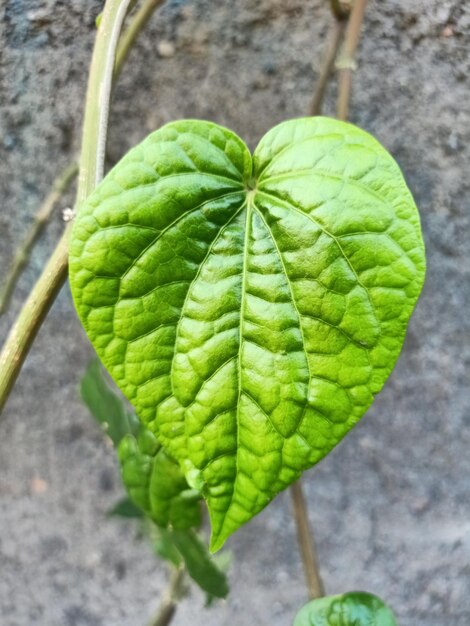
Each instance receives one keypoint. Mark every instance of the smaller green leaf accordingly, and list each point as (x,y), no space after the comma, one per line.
(164,547)
(108,409)
(222,561)
(184,546)
(201,565)
(126,508)
(156,483)
(356,608)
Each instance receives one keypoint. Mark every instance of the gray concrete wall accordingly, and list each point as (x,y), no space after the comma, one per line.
(390,505)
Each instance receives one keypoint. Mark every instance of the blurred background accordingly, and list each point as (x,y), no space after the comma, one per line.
(390,506)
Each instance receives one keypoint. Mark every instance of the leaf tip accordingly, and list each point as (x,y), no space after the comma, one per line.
(221,528)
(217,541)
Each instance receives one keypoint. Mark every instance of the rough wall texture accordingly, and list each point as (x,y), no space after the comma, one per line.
(390,505)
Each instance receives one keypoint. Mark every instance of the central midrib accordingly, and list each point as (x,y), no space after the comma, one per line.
(249,211)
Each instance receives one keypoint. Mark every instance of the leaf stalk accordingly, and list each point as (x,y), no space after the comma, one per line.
(166,612)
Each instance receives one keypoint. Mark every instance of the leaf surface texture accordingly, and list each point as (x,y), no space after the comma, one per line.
(356,608)
(250,307)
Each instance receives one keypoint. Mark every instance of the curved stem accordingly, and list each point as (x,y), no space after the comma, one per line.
(306,543)
(95,124)
(36,307)
(327,66)
(167,609)
(347,61)
(65,179)
(127,41)
(353,28)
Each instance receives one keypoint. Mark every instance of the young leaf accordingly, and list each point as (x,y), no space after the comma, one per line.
(200,564)
(165,547)
(249,307)
(106,406)
(356,608)
(207,571)
(156,483)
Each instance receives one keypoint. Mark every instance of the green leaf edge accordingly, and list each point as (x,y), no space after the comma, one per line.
(373,606)
(217,540)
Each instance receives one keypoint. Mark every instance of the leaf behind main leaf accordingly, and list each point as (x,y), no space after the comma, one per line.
(200,564)
(250,308)
(156,484)
(108,409)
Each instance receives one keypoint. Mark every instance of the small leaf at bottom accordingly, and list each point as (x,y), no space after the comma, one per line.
(356,608)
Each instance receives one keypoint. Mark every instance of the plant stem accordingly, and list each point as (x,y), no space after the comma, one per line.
(130,35)
(59,187)
(65,179)
(304,534)
(346,63)
(327,66)
(306,543)
(95,124)
(167,609)
(352,25)
(44,292)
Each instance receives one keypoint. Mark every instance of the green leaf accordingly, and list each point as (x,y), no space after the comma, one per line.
(126,508)
(249,307)
(156,483)
(105,405)
(356,608)
(201,566)
(164,547)
(207,571)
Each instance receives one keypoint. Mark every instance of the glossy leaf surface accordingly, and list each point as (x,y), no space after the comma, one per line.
(350,609)
(249,307)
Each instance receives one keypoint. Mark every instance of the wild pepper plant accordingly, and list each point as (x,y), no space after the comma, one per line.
(250,307)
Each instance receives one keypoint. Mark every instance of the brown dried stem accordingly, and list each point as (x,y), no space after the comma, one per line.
(347,61)
(353,28)
(306,543)
(327,66)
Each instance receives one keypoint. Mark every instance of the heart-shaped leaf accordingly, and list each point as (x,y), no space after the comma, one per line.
(249,307)
(356,608)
